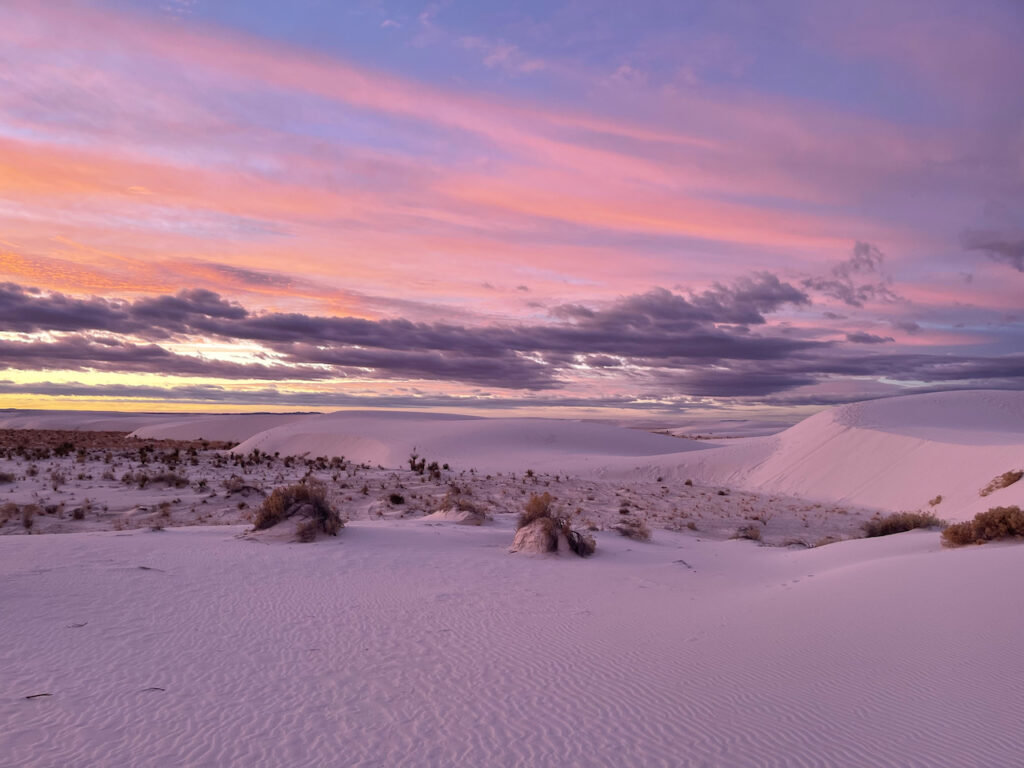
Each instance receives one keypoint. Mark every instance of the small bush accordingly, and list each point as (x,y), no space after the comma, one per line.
(28,514)
(308,498)
(936,501)
(996,523)
(8,510)
(898,522)
(1004,480)
(169,478)
(396,499)
(6,477)
(751,532)
(536,507)
(633,528)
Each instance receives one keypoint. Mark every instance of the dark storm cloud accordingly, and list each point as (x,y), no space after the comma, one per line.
(710,343)
(860,337)
(857,280)
(907,326)
(1002,247)
(26,311)
(79,353)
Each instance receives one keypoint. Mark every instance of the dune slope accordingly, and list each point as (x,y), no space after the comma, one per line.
(488,445)
(897,453)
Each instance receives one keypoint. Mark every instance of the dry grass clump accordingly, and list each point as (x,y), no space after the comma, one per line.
(996,523)
(307,499)
(455,498)
(1004,480)
(539,512)
(633,528)
(27,513)
(237,484)
(537,507)
(898,522)
(6,477)
(8,510)
(751,532)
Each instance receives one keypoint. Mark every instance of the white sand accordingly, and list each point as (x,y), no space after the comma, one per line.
(892,454)
(412,640)
(488,445)
(405,643)
(223,428)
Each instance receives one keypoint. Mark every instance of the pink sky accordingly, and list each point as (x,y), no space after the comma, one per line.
(515,173)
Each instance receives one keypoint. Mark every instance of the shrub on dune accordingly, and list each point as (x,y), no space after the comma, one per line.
(996,523)
(539,530)
(898,522)
(1004,480)
(306,499)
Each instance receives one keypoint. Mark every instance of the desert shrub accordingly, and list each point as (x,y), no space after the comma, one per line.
(57,479)
(898,522)
(140,478)
(633,528)
(537,507)
(308,498)
(1004,480)
(538,510)
(936,501)
(169,478)
(580,543)
(28,514)
(6,477)
(396,499)
(996,523)
(751,532)
(455,498)
(8,510)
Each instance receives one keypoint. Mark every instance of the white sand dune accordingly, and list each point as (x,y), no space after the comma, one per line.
(98,421)
(896,453)
(487,445)
(402,643)
(231,428)
(413,641)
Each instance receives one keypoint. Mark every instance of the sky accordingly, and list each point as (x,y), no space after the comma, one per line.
(590,209)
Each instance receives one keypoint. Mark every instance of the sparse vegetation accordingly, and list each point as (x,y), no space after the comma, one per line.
(996,523)
(539,513)
(6,477)
(537,506)
(898,522)
(633,528)
(1004,480)
(308,500)
(751,532)
(936,501)
(28,515)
